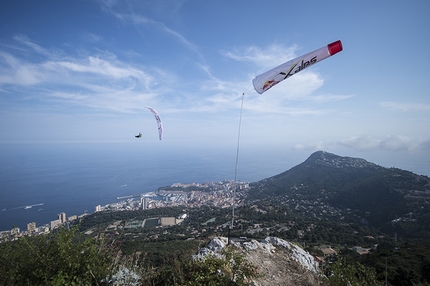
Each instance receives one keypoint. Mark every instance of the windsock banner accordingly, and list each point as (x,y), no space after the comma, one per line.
(265,81)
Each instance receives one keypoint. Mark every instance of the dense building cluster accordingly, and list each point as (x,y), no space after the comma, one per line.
(218,194)
(32,229)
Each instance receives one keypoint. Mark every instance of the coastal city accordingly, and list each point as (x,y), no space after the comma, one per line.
(218,194)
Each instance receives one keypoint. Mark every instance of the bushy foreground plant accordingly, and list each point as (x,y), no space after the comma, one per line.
(231,268)
(64,257)
(348,273)
(67,257)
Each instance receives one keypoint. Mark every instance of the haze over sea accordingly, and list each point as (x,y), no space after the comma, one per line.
(75,177)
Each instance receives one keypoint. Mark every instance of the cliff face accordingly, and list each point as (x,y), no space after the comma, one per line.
(279,262)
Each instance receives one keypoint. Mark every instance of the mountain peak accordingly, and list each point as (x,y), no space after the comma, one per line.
(377,193)
(331,160)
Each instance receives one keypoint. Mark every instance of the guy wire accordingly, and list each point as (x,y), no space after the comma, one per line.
(237,162)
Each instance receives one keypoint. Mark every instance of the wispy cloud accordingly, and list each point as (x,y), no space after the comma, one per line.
(315,146)
(389,143)
(96,81)
(227,94)
(99,67)
(91,37)
(425,145)
(264,58)
(224,94)
(369,143)
(329,97)
(26,41)
(15,71)
(103,81)
(405,106)
(135,19)
(301,87)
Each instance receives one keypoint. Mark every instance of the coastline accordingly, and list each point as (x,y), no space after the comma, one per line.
(218,194)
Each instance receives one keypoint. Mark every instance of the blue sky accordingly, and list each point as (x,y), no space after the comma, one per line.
(83,71)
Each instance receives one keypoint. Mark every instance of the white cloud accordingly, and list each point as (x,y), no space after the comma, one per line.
(301,87)
(14,71)
(425,145)
(406,106)
(135,19)
(329,97)
(100,67)
(389,143)
(315,146)
(103,81)
(266,58)
(92,81)
(110,3)
(26,41)
(91,37)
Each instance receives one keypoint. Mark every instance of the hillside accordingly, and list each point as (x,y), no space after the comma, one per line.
(380,195)
(375,218)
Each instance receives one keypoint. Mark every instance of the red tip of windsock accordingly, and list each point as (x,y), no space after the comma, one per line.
(334,47)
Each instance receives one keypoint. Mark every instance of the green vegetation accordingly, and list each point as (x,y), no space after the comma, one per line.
(354,191)
(355,274)
(102,219)
(231,269)
(327,200)
(66,257)
(160,256)
(406,263)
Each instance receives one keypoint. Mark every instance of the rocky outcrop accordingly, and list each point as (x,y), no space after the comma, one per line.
(279,262)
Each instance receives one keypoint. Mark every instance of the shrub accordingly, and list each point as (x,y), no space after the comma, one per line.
(64,257)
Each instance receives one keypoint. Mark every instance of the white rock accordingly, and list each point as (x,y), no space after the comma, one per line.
(268,244)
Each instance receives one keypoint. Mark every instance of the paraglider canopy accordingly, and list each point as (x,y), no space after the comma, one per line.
(158,119)
(159,124)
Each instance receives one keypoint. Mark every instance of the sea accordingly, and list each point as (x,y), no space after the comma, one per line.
(40,181)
